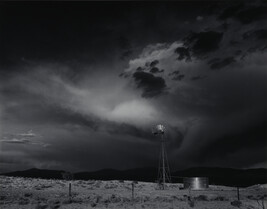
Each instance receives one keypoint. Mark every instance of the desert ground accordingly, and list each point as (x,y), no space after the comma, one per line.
(16,192)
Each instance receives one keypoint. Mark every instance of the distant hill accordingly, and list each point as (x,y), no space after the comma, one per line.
(37,173)
(217,176)
(138,174)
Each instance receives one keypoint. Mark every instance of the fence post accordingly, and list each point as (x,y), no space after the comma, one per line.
(68,176)
(132,190)
(238,197)
(189,192)
(70,191)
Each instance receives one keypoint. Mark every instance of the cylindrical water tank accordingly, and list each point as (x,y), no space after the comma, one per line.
(196,183)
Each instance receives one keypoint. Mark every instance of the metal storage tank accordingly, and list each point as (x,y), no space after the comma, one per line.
(196,183)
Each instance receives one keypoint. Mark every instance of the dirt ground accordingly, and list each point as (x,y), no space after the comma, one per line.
(32,193)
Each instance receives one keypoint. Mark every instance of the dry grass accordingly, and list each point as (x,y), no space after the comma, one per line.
(41,194)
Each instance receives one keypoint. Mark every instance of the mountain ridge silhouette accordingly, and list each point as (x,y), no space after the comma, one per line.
(217,175)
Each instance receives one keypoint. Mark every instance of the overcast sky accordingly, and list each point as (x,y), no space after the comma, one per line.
(82,84)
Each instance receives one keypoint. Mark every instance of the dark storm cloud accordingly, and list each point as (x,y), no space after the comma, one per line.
(126,54)
(198,77)
(220,94)
(70,131)
(139,69)
(178,77)
(59,77)
(217,63)
(175,134)
(174,73)
(252,14)
(151,85)
(20,104)
(230,11)
(126,129)
(52,113)
(154,63)
(60,33)
(82,33)
(258,34)
(244,13)
(203,42)
(253,137)
(183,53)
(126,47)
(124,42)
(156,70)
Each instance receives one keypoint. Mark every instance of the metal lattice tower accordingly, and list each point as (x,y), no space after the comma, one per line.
(163,169)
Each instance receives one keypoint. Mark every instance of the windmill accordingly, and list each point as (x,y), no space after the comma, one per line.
(163,169)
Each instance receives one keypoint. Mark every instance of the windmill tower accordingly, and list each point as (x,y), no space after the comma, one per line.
(163,169)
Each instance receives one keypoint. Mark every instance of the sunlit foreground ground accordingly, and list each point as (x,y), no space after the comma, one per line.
(40,194)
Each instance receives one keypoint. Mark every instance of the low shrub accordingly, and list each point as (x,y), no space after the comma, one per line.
(191,203)
(180,198)
(41,206)
(28,195)
(111,186)
(2,197)
(77,200)
(67,201)
(236,203)
(251,197)
(90,182)
(115,199)
(220,198)
(97,184)
(261,197)
(146,198)
(125,199)
(93,205)
(80,182)
(46,186)
(98,198)
(201,198)
(23,201)
(54,204)
(41,199)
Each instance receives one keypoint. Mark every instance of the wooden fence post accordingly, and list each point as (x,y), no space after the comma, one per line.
(132,190)
(70,191)
(68,176)
(238,197)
